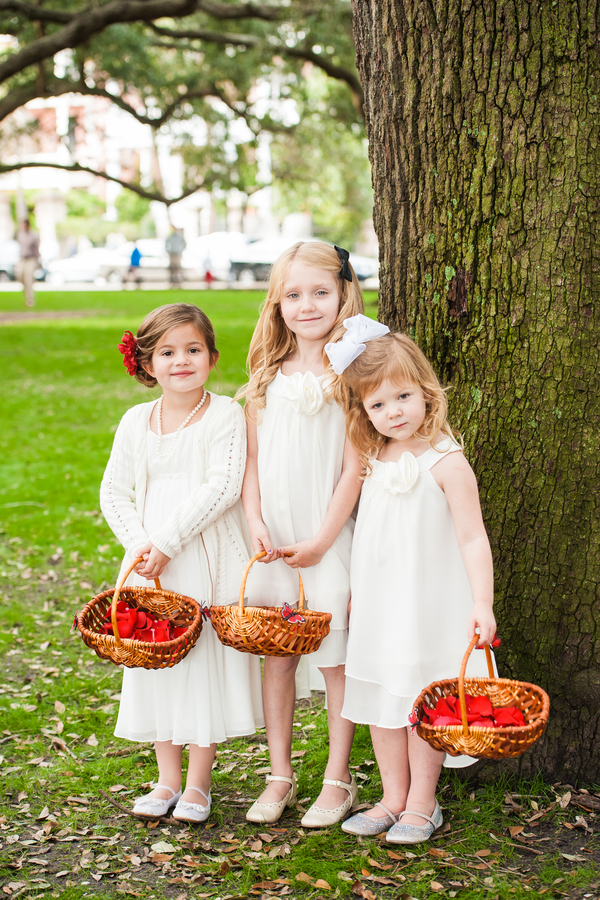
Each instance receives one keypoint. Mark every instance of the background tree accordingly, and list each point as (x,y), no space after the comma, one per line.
(483,132)
(168,63)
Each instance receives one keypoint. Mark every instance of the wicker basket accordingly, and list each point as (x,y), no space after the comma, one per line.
(179,610)
(264,630)
(485,743)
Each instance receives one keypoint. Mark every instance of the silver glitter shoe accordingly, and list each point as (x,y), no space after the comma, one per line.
(369,827)
(415,834)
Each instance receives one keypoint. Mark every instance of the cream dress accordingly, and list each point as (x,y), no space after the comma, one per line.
(301,439)
(411,598)
(192,512)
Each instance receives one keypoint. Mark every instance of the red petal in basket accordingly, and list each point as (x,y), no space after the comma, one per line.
(479,706)
(509,716)
(448,706)
(483,723)
(161,632)
(178,630)
(446,720)
(144,634)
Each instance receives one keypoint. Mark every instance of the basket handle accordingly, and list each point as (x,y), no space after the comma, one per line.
(461,680)
(245,576)
(115,599)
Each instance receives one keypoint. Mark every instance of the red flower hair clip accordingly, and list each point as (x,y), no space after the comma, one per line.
(128,348)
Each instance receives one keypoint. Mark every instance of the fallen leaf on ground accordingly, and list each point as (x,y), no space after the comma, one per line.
(92,741)
(482,853)
(59,707)
(302,876)
(163,847)
(320,883)
(514,830)
(115,788)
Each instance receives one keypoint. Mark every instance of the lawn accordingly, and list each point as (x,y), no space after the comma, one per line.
(67,783)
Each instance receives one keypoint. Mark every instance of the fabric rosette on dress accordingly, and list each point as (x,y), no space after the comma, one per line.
(401,476)
(304,392)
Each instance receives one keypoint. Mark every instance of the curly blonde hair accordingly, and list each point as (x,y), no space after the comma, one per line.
(395,358)
(272,340)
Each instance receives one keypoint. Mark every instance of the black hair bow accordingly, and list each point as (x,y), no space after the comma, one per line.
(345,267)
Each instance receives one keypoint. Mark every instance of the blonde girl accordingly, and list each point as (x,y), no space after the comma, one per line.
(170,494)
(421,574)
(302,482)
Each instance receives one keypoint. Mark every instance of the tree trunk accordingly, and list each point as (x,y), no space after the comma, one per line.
(485,147)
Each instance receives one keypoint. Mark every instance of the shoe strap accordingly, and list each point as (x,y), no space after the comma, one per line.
(281,778)
(165,787)
(340,784)
(393,816)
(190,787)
(411,812)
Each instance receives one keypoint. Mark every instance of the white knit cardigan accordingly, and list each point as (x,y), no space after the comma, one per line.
(213,508)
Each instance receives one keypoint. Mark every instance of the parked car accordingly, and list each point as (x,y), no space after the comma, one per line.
(213,253)
(9,257)
(83,266)
(253,262)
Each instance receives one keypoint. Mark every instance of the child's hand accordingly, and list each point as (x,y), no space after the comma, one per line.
(260,539)
(482,616)
(305,554)
(154,561)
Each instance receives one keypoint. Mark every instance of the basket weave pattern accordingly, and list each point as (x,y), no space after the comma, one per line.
(178,609)
(485,743)
(264,631)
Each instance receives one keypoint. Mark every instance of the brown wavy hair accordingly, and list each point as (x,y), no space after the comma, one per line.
(396,358)
(156,324)
(272,340)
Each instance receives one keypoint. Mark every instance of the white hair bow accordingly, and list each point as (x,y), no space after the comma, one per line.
(358,330)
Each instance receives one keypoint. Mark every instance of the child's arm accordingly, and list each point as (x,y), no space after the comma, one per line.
(457,479)
(117,494)
(259,534)
(309,553)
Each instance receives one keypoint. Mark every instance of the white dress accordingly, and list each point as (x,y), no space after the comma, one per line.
(301,439)
(215,692)
(411,598)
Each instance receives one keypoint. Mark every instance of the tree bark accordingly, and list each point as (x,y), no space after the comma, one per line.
(482,119)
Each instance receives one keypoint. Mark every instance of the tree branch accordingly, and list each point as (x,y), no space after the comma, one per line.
(76,167)
(36,13)
(340,73)
(94,19)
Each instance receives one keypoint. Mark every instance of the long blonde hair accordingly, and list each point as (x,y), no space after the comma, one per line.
(395,358)
(272,340)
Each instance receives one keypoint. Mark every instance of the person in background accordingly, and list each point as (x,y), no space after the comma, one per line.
(175,245)
(29,242)
(134,266)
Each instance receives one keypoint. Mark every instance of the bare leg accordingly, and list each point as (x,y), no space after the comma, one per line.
(199,772)
(168,757)
(425,767)
(341,735)
(391,752)
(279,697)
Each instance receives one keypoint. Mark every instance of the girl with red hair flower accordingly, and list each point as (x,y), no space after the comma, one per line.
(171,493)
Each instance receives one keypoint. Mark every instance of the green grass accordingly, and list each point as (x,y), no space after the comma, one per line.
(64,391)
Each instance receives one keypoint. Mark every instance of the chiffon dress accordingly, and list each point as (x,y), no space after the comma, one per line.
(215,691)
(301,438)
(411,598)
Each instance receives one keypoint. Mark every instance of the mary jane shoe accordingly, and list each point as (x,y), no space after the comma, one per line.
(368,826)
(317,817)
(153,807)
(193,812)
(415,834)
(268,813)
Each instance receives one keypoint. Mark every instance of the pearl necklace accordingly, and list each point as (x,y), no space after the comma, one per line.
(179,430)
